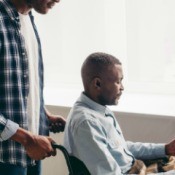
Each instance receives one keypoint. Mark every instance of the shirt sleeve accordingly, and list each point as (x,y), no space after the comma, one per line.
(90,142)
(7,128)
(146,150)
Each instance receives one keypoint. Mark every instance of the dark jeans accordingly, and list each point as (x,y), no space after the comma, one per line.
(7,169)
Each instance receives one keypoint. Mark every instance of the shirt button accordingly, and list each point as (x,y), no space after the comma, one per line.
(23,53)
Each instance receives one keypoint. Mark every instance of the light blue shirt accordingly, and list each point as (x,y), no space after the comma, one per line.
(93,135)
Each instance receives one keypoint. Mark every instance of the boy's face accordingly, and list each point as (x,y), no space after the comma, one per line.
(43,6)
(111,86)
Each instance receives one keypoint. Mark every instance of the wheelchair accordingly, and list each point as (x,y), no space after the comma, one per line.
(75,166)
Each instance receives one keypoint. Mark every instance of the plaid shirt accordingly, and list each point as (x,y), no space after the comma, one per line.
(14,83)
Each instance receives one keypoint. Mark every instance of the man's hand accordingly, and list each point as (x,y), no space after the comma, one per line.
(40,147)
(37,147)
(170,148)
(57,123)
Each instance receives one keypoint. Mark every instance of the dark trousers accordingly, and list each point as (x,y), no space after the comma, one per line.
(8,169)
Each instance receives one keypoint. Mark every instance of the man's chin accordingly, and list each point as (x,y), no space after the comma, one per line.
(116,102)
(113,103)
(42,11)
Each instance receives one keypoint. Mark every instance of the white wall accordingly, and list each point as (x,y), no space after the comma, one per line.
(139,32)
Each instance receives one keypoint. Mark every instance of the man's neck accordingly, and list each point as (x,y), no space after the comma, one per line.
(93,97)
(22,6)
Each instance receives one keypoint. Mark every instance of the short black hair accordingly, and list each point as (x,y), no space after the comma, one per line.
(96,64)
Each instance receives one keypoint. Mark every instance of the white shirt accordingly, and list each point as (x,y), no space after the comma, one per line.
(33,105)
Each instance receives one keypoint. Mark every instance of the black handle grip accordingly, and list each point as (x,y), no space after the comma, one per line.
(66,155)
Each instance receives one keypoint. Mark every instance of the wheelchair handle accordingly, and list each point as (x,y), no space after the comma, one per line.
(66,155)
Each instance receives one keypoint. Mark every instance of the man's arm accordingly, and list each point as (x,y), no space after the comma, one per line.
(91,147)
(7,128)
(37,147)
(151,150)
(146,150)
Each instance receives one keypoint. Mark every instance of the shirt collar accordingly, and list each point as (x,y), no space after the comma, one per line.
(103,110)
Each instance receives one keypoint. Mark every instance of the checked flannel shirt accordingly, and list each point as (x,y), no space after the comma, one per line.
(14,85)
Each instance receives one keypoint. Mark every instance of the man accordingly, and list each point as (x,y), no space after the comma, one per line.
(23,118)
(93,134)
